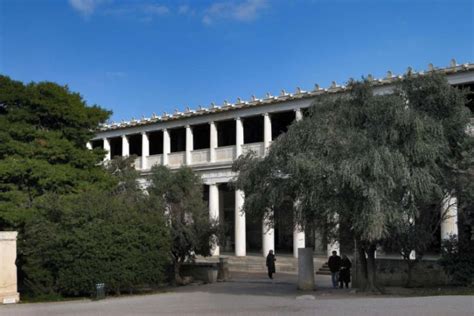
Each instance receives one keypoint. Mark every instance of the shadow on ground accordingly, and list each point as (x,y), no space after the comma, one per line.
(283,284)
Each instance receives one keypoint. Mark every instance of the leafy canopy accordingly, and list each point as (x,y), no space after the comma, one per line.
(369,158)
(43,131)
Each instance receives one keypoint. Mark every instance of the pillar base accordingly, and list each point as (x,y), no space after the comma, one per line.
(9,298)
(305,269)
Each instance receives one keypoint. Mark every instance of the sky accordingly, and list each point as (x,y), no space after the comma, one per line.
(145,56)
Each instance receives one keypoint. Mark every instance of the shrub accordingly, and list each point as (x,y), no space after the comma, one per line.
(457,259)
(119,239)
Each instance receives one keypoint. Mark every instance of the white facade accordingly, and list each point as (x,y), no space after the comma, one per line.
(214,162)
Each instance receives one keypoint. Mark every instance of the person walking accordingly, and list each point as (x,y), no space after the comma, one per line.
(271,264)
(345,273)
(334,264)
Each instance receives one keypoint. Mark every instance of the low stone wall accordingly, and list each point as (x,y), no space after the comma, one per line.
(202,271)
(393,272)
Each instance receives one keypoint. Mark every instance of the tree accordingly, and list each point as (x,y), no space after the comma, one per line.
(43,131)
(365,159)
(192,232)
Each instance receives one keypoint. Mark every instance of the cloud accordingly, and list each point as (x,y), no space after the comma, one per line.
(85,7)
(245,11)
(183,9)
(140,12)
(155,9)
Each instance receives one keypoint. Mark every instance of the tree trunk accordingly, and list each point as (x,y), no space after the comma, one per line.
(367,276)
(177,275)
(371,270)
(409,273)
(362,274)
(410,265)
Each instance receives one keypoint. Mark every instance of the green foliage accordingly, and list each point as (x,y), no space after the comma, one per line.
(457,259)
(191,231)
(366,157)
(371,159)
(76,241)
(43,131)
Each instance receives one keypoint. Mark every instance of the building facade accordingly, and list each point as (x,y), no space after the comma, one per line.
(209,139)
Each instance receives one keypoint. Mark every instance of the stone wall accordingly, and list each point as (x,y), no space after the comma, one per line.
(393,272)
(8,273)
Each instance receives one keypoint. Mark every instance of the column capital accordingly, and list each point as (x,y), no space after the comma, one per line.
(238,118)
(187,126)
(144,133)
(266,114)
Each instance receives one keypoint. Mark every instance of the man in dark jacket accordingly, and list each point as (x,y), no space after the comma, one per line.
(334,264)
(271,264)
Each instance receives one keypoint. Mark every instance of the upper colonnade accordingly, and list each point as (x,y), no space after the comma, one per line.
(203,137)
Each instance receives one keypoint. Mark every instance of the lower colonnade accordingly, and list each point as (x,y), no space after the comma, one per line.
(215,201)
(239,247)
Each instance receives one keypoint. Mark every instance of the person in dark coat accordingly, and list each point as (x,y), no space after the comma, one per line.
(345,273)
(334,264)
(271,264)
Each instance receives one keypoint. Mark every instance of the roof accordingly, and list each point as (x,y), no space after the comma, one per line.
(389,79)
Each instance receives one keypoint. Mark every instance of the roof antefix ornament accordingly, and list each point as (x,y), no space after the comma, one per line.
(390,78)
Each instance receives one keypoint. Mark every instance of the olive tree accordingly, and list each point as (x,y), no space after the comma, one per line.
(365,159)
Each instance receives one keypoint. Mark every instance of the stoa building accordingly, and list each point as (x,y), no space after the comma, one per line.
(209,139)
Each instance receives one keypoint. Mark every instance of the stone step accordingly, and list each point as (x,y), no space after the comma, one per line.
(257,263)
(324,270)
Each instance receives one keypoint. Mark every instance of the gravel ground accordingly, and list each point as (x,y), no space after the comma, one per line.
(253,294)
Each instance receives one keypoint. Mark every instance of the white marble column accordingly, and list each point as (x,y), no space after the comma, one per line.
(125,146)
(214,209)
(240,233)
(213,141)
(107,149)
(166,146)
(189,144)
(333,246)
(239,137)
(267,132)
(145,151)
(89,145)
(268,234)
(449,217)
(298,240)
(298,232)
(298,115)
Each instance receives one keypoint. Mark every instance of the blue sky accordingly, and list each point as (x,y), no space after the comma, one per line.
(142,57)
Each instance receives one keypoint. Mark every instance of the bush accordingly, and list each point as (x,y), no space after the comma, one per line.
(119,239)
(457,259)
